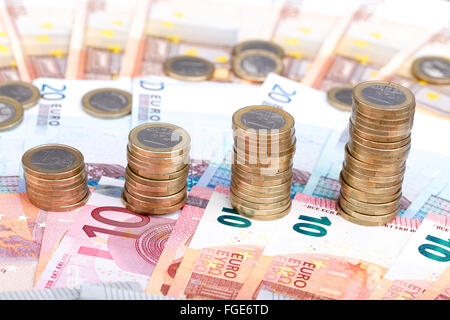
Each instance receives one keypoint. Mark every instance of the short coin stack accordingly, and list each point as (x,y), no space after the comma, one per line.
(264,146)
(158,166)
(55,177)
(375,155)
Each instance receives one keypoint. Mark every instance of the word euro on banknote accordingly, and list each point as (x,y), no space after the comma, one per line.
(355,53)
(99,38)
(107,242)
(222,253)
(205,29)
(316,254)
(40,33)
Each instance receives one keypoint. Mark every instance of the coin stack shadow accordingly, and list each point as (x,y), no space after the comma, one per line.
(375,155)
(55,177)
(264,147)
(158,166)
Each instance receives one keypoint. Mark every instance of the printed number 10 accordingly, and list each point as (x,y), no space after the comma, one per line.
(312,229)
(436,252)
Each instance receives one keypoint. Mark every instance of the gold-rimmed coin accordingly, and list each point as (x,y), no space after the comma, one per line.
(62,208)
(348,217)
(11,113)
(396,178)
(381,170)
(368,217)
(432,69)
(260,200)
(376,209)
(255,65)
(136,207)
(259,194)
(286,186)
(381,97)
(162,190)
(151,172)
(362,132)
(341,98)
(53,161)
(265,153)
(25,93)
(71,190)
(371,158)
(377,152)
(162,140)
(57,199)
(364,196)
(157,201)
(107,103)
(260,181)
(151,175)
(260,213)
(260,206)
(360,183)
(386,122)
(379,145)
(55,184)
(256,176)
(382,127)
(158,161)
(263,122)
(164,166)
(188,68)
(259,45)
(261,171)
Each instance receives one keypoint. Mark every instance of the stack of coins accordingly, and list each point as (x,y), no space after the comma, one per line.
(264,146)
(375,155)
(55,177)
(158,165)
(255,59)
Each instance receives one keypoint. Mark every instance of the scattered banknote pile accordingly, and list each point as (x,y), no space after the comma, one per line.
(55,177)
(264,146)
(375,155)
(164,203)
(158,165)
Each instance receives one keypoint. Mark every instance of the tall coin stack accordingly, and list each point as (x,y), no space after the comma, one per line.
(55,177)
(158,166)
(375,155)
(264,147)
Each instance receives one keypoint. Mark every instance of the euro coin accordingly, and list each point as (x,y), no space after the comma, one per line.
(259,200)
(260,214)
(259,45)
(348,217)
(55,184)
(25,93)
(11,113)
(157,176)
(365,184)
(340,98)
(381,97)
(188,68)
(157,201)
(260,206)
(370,208)
(163,140)
(379,145)
(258,193)
(53,161)
(432,69)
(255,65)
(264,121)
(107,103)
(136,206)
(62,208)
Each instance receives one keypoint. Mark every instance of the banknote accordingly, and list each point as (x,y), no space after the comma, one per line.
(99,38)
(315,121)
(420,264)
(8,63)
(315,254)
(222,253)
(440,289)
(204,110)
(185,227)
(206,29)
(18,252)
(434,197)
(432,97)
(302,27)
(60,118)
(107,242)
(40,32)
(355,53)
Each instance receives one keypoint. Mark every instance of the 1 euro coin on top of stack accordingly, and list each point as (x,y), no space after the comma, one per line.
(158,166)
(55,177)
(264,147)
(375,155)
